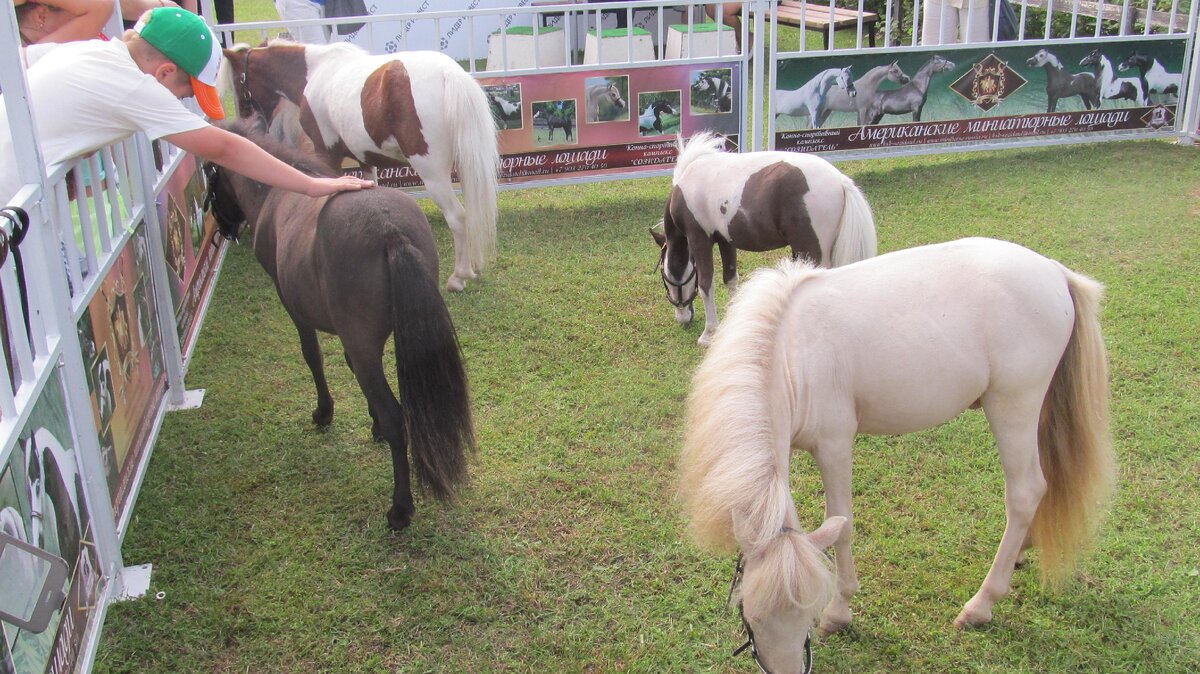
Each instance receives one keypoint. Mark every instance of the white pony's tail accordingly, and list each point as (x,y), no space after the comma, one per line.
(856,238)
(477,159)
(1074,444)
(733,489)
(700,145)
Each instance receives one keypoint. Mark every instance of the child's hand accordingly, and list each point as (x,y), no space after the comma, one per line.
(325,186)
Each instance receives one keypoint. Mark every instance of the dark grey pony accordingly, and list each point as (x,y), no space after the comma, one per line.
(362,266)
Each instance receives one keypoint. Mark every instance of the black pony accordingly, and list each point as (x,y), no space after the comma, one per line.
(363,266)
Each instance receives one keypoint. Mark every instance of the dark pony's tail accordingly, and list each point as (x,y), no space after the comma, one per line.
(433,383)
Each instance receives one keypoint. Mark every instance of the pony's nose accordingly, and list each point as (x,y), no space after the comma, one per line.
(684,314)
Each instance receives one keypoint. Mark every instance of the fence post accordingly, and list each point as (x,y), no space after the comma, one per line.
(178,397)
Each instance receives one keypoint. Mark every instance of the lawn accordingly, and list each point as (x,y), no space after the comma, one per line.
(569,553)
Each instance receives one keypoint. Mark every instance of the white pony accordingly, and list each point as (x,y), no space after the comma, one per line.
(808,358)
(809,100)
(417,108)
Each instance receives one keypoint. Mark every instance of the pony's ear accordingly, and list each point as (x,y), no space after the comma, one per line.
(660,239)
(828,532)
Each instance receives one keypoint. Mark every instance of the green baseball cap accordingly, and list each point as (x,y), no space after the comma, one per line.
(184,38)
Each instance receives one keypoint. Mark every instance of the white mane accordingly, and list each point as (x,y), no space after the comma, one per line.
(700,145)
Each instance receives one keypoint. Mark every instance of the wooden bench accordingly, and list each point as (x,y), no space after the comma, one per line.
(816,16)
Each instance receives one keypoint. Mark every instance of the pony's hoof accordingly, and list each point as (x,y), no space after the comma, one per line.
(322,417)
(376,434)
(398,521)
(455,284)
(705,340)
(971,617)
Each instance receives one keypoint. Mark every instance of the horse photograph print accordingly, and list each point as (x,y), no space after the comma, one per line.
(711,91)
(506,105)
(606,99)
(1062,84)
(417,108)
(1111,87)
(753,201)
(865,101)
(809,358)
(1156,79)
(809,100)
(660,113)
(911,97)
(551,116)
(363,266)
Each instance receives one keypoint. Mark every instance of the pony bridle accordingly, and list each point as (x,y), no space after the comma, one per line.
(739,569)
(245,81)
(668,283)
(225,218)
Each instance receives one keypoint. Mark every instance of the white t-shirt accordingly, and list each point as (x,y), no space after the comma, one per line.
(86,95)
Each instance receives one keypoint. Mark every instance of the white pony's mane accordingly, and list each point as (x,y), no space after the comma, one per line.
(728,464)
(700,145)
(731,484)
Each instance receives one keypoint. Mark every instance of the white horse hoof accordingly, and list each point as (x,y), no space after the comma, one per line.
(972,617)
(455,285)
(705,340)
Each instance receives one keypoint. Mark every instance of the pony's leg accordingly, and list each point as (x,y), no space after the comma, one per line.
(729,273)
(368,370)
(702,255)
(376,435)
(437,184)
(311,348)
(834,462)
(1014,423)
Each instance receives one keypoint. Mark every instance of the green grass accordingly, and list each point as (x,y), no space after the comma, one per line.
(568,552)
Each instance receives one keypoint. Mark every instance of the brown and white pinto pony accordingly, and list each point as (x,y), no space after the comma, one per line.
(754,201)
(808,358)
(419,108)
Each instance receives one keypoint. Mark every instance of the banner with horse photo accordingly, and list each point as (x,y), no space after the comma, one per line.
(43,504)
(605,122)
(860,104)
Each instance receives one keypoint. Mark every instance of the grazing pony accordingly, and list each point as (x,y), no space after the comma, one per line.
(754,201)
(1156,78)
(651,119)
(607,91)
(1062,84)
(504,109)
(559,119)
(809,100)
(363,266)
(417,108)
(865,101)
(808,358)
(912,96)
(1110,87)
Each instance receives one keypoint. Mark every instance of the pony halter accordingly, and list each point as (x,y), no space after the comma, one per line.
(227,218)
(668,283)
(739,569)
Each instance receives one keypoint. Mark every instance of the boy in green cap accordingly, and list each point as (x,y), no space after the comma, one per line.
(86,95)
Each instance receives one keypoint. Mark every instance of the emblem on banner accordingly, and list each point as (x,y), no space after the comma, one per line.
(988,83)
(1158,117)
